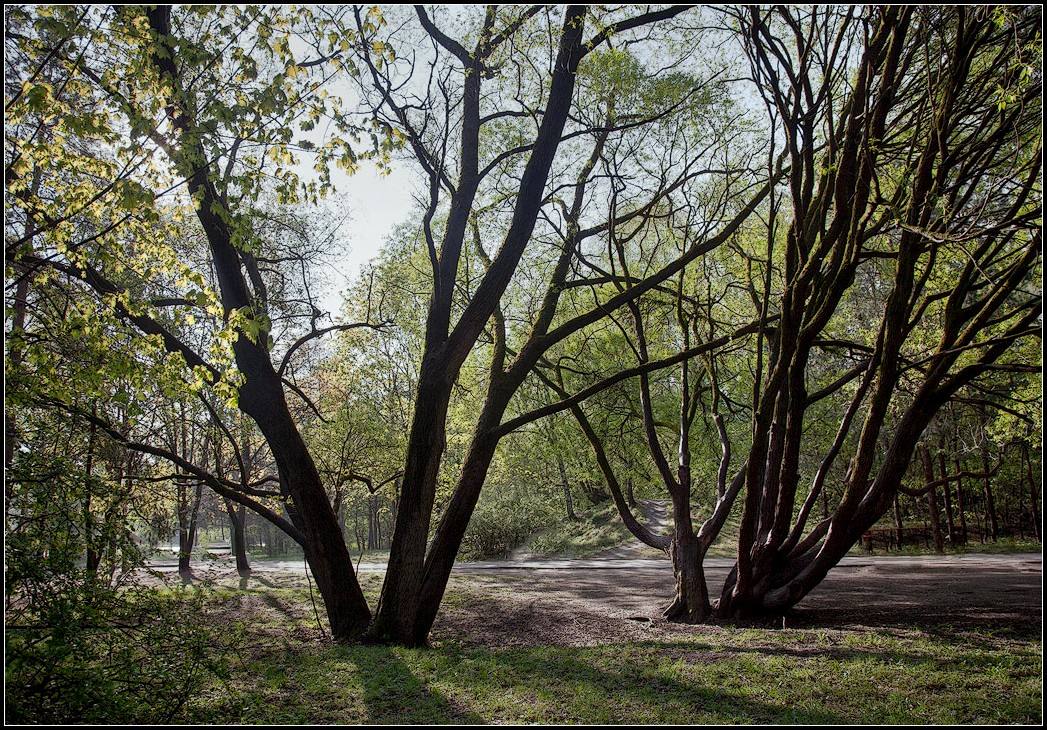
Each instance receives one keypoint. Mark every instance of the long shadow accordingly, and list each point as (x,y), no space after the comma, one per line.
(393,694)
(542,683)
(533,685)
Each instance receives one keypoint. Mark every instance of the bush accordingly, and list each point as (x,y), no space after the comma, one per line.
(84,641)
(82,652)
(504,520)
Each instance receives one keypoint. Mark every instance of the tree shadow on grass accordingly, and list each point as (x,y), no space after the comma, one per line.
(547,685)
(394,693)
(565,686)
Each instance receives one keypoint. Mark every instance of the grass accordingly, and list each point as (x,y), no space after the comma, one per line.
(274,665)
(281,671)
(599,528)
(718,676)
(596,529)
(1001,546)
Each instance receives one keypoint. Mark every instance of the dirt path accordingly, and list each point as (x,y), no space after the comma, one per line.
(577,603)
(599,601)
(655,514)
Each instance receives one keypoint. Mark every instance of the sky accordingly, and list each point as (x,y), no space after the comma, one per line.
(376,205)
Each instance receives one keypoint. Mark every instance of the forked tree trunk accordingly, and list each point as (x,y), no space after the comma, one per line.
(187,522)
(186,540)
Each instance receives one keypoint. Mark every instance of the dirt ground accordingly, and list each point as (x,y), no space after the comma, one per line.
(530,602)
(579,603)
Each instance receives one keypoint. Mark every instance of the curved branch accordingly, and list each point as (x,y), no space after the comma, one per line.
(648,367)
(238,493)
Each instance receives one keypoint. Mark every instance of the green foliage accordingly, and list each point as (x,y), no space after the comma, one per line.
(596,529)
(504,519)
(84,642)
(80,651)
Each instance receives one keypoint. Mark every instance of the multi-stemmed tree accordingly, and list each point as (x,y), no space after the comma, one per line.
(900,266)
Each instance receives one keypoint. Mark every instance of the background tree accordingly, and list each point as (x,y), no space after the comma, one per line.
(882,217)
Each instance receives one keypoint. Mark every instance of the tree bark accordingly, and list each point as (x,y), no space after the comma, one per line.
(991,523)
(961,504)
(950,521)
(188,511)
(1033,493)
(932,498)
(261,395)
(566,490)
(238,537)
(690,602)
(899,528)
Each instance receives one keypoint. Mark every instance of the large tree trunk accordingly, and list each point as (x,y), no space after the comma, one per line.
(395,617)
(414,584)
(690,602)
(448,538)
(308,505)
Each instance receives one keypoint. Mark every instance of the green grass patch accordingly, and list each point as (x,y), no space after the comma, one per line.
(596,529)
(734,679)
(714,675)
(1001,546)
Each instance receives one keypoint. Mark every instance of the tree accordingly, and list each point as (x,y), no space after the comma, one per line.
(578,164)
(934,178)
(911,198)
(417,577)
(172,124)
(115,81)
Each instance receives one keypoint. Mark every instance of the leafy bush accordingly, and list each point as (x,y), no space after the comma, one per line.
(503,520)
(84,641)
(81,652)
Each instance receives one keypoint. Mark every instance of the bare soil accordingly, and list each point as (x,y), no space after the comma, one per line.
(532,602)
(582,603)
